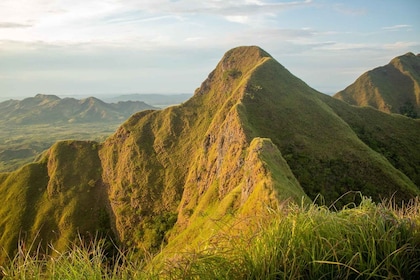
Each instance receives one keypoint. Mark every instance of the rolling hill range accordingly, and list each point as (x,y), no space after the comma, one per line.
(31,125)
(49,109)
(158,100)
(251,138)
(393,88)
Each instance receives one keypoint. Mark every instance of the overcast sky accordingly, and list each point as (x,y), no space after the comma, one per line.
(92,47)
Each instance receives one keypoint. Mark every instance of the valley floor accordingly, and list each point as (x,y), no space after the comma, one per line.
(21,144)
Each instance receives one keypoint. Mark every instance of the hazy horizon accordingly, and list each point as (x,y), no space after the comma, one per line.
(102,96)
(100,47)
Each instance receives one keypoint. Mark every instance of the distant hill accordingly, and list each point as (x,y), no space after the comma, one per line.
(31,125)
(393,88)
(52,109)
(159,100)
(252,138)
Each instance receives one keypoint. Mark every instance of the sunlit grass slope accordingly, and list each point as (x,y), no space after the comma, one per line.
(55,199)
(191,163)
(393,88)
(365,241)
(392,136)
(369,241)
(251,140)
(325,154)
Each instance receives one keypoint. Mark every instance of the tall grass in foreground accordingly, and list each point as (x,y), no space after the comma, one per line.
(81,261)
(368,241)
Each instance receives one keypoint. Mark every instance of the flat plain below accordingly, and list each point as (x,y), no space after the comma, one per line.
(21,144)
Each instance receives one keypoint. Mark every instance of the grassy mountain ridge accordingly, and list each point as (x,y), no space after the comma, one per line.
(188,153)
(252,137)
(324,153)
(54,199)
(392,136)
(393,88)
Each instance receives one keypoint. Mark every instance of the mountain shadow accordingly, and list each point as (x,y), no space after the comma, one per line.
(252,138)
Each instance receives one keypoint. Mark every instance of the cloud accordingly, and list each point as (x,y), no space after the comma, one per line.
(339,46)
(194,39)
(212,6)
(13,25)
(128,20)
(136,41)
(397,27)
(25,10)
(365,49)
(344,9)
(86,68)
(402,46)
(238,19)
(139,18)
(245,12)
(233,11)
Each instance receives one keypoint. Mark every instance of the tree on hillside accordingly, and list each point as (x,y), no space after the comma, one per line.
(408,110)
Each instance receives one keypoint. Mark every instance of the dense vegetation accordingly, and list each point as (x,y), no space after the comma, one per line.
(392,88)
(252,143)
(365,241)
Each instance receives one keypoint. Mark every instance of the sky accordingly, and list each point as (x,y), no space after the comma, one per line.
(97,47)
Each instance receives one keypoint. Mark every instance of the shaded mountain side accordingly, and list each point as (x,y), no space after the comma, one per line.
(252,137)
(393,88)
(52,109)
(324,153)
(395,137)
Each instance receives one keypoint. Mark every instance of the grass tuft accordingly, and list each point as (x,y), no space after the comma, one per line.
(80,261)
(365,241)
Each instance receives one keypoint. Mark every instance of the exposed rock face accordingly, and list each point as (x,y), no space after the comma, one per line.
(252,137)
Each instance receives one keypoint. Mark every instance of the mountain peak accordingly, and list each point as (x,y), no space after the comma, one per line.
(91,101)
(46,96)
(407,62)
(235,63)
(409,54)
(240,60)
(252,138)
(240,56)
(392,88)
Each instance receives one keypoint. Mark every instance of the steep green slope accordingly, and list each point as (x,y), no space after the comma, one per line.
(55,199)
(393,88)
(324,153)
(394,137)
(251,138)
(182,162)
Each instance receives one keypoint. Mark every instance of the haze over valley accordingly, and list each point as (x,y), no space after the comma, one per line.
(250,139)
